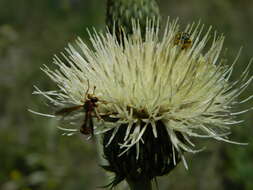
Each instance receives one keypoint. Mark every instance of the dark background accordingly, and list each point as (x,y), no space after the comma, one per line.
(33,154)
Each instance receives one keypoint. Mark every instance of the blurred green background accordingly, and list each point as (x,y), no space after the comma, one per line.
(34,155)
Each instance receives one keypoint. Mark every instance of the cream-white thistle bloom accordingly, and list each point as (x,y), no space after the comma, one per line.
(143,81)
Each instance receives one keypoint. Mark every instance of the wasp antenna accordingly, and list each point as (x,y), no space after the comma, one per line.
(88,82)
(94,89)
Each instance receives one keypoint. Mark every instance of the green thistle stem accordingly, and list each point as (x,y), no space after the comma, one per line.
(140,184)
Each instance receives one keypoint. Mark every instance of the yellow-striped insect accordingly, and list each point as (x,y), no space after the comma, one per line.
(183,40)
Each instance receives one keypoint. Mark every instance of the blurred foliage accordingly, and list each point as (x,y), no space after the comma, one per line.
(34,156)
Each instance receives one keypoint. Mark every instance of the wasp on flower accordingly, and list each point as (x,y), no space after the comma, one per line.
(89,107)
(158,98)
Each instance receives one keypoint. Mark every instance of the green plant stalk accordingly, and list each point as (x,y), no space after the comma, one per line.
(140,184)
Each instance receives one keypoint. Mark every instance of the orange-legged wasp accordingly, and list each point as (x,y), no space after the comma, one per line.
(89,108)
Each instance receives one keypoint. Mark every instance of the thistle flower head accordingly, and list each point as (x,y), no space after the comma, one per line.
(150,88)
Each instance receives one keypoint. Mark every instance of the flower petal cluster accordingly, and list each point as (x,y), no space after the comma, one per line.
(143,80)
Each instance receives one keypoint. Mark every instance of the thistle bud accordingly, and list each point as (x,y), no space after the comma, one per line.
(121,14)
